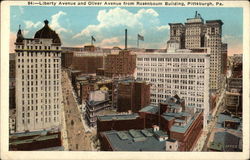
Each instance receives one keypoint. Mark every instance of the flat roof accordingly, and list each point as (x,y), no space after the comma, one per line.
(169,118)
(118,117)
(150,109)
(183,129)
(94,103)
(34,139)
(26,134)
(131,143)
(228,141)
(223,117)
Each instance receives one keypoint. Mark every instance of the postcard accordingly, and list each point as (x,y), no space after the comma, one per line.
(124,80)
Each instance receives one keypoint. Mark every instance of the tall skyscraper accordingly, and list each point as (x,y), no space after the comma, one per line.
(38,80)
(195,34)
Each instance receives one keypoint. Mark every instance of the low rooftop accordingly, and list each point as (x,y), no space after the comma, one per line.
(150,109)
(134,140)
(225,141)
(224,117)
(118,117)
(183,129)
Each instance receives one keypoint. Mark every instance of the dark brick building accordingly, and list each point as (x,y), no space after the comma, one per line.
(87,63)
(119,122)
(120,65)
(181,123)
(132,95)
(38,140)
(67,59)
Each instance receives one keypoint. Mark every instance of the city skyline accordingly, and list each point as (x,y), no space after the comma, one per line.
(109,32)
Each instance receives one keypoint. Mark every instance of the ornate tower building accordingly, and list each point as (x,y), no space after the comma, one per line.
(38,80)
(196,34)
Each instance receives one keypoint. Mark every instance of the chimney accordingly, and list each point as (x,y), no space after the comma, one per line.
(126,39)
(156,128)
(129,112)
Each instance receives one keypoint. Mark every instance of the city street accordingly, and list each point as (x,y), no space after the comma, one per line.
(211,126)
(78,140)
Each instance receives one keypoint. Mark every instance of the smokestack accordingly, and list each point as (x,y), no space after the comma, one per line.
(125,39)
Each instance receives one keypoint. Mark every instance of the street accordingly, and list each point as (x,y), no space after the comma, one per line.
(78,140)
(218,109)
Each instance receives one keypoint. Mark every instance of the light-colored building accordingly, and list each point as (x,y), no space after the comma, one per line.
(38,80)
(179,71)
(196,33)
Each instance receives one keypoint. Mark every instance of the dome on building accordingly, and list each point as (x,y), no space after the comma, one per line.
(46,32)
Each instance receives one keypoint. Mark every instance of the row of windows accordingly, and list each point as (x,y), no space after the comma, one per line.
(35,47)
(163,98)
(46,113)
(45,94)
(36,66)
(35,76)
(34,72)
(46,54)
(36,107)
(36,60)
(47,120)
(41,82)
(172,59)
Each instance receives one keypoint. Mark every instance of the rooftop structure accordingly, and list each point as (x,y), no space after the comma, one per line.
(38,140)
(118,117)
(133,140)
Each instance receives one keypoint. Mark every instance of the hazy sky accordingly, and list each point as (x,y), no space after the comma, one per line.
(76,25)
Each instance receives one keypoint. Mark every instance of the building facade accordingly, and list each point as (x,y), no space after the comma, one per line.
(182,72)
(97,104)
(120,65)
(132,95)
(196,33)
(38,80)
(12,81)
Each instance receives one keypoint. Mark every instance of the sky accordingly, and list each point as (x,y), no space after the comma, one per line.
(76,25)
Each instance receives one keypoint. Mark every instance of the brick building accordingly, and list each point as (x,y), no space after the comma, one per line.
(87,59)
(120,65)
(132,95)
(67,59)
(182,124)
(119,122)
(134,140)
(38,140)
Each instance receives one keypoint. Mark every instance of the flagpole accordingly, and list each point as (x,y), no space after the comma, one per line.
(137,41)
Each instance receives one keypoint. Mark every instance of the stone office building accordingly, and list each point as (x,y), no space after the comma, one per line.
(196,33)
(180,71)
(38,80)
